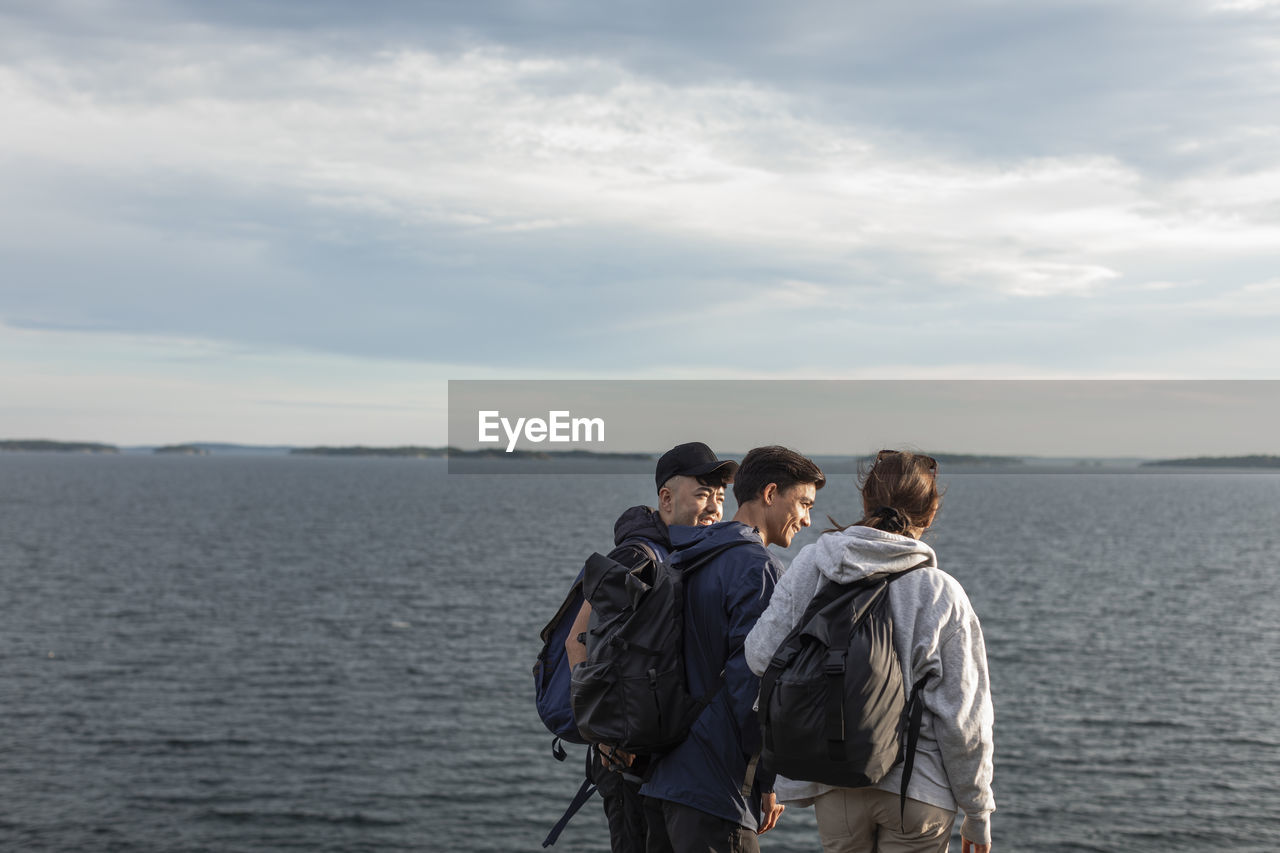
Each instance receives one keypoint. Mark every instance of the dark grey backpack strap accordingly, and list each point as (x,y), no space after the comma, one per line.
(579,800)
(915,716)
(642,545)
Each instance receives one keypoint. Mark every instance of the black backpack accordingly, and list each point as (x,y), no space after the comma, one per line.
(832,701)
(632,692)
(551,681)
(551,669)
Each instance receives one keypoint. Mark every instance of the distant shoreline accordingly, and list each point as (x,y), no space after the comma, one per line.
(1254,461)
(410,452)
(205,448)
(458,453)
(40,445)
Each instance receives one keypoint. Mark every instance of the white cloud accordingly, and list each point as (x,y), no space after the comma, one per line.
(490,143)
(1243,5)
(1043,279)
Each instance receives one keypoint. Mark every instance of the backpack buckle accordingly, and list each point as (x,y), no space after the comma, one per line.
(783,657)
(835,661)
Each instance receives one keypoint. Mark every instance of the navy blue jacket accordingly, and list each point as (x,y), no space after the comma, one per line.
(723,600)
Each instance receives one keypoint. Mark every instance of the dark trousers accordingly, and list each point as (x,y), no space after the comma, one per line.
(623,807)
(677,828)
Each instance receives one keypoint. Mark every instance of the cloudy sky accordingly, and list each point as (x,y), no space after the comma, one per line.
(293,222)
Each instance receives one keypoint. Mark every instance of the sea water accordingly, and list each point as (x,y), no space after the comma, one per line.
(296,653)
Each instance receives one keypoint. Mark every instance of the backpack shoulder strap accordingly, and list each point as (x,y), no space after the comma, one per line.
(915,716)
(656,553)
(579,800)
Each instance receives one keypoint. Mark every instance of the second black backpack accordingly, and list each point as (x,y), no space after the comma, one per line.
(833,702)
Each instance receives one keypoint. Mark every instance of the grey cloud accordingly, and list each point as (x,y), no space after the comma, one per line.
(577,300)
(181,255)
(991,79)
(176,255)
(195,261)
(192,260)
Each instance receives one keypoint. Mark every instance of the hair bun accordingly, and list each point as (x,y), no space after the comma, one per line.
(892,519)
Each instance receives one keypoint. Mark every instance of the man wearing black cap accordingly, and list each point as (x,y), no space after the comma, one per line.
(691,482)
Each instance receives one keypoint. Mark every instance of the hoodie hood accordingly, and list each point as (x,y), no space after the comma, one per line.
(858,552)
(641,522)
(690,542)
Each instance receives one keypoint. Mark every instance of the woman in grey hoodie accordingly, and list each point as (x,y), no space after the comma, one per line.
(935,632)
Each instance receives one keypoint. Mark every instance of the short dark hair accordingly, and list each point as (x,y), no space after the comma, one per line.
(773,464)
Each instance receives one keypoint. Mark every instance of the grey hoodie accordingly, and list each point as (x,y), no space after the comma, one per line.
(934,631)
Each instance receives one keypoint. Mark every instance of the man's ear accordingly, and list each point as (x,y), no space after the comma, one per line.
(664,498)
(768,493)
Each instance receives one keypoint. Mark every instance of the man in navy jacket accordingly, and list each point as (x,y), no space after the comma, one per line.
(706,793)
(691,480)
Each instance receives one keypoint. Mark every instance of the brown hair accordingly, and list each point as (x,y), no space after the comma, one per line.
(773,464)
(899,492)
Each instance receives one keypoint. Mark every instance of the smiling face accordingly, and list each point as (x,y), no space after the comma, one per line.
(786,512)
(684,501)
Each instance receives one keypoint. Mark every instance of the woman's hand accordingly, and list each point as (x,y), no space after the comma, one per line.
(967,846)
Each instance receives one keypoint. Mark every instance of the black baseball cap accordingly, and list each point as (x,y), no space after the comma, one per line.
(694,459)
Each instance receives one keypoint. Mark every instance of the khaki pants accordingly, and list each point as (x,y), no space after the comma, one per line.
(867,820)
